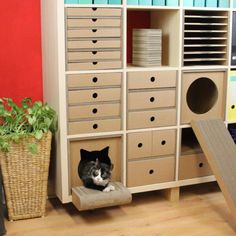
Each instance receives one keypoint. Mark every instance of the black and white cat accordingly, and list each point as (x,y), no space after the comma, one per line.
(95,169)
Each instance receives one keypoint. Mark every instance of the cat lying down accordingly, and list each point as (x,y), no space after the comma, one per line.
(95,169)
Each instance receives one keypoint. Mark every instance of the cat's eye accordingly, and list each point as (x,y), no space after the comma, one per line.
(96,173)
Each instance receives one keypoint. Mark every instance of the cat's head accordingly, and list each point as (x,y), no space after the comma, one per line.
(101,173)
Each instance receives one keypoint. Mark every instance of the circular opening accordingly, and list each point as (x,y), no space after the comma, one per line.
(95,126)
(140,145)
(233,106)
(163,142)
(152,99)
(95,95)
(152,79)
(95,79)
(152,118)
(151,171)
(201,165)
(95,110)
(202,95)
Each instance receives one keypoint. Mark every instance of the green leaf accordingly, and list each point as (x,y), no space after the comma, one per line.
(32,120)
(32,147)
(38,134)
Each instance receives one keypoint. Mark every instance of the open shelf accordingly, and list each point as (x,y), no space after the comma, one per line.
(205,37)
(165,19)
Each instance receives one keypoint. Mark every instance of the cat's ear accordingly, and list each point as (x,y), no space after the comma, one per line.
(83,153)
(105,150)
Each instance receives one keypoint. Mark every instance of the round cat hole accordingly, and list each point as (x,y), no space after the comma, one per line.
(202,95)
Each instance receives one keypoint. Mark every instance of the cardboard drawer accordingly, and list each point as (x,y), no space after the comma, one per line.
(93,126)
(93,33)
(93,55)
(93,80)
(93,95)
(139,144)
(93,111)
(152,171)
(152,79)
(151,99)
(93,44)
(93,22)
(193,166)
(115,154)
(94,65)
(164,142)
(93,11)
(148,119)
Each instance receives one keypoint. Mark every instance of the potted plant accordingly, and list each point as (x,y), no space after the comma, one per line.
(25,144)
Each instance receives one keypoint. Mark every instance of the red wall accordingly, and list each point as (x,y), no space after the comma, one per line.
(20,50)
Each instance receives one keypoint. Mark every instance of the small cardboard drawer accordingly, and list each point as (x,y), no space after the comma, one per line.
(97,144)
(93,11)
(164,142)
(152,79)
(93,95)
(94,44)
(152,99)
(193,166)
(152,171)
(148,119)
(94,65)
(94,126)
(93,33)
(95,110)
(139,144)
(93,80)
(93,55)
(93,22)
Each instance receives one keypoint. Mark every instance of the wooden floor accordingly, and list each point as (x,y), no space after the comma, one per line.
(201,211)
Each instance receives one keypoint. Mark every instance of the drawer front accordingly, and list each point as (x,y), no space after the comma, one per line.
(93,95)
(92,111)
(94,43)
(139,144)
(94,126)
(152,79)
(144,172)
(164,142)
(93,80)
(193,166)
(93,22)
(148,119)
(93,33)
(153,99)
(93,11)
(93,55)
(94,65)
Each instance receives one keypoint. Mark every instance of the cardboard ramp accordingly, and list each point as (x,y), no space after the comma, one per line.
(220,151)
(86,199)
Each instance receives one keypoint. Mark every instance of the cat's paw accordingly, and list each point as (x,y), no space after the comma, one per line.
(109,188)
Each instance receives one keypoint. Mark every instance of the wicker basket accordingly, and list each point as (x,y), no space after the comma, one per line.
(25,178)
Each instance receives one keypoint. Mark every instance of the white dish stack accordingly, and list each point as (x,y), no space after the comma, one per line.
(147,47)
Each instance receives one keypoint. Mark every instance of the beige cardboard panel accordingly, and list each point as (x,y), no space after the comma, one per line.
(153,99)
(94,126)
(93,33)
(193,166)
(148,119)
(213,105)
(93,11)
(220,149)
(93,111)
(151,171)
(93,22)
(163,142)
(93,80)
(94,44)
(93,55)
(139,144)
(151,79)
(92,145)
(93,95)
(94,65)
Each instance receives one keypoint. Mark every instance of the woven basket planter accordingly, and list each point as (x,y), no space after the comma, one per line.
(25,177)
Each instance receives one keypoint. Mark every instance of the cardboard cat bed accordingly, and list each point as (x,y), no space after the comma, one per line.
(86,199)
